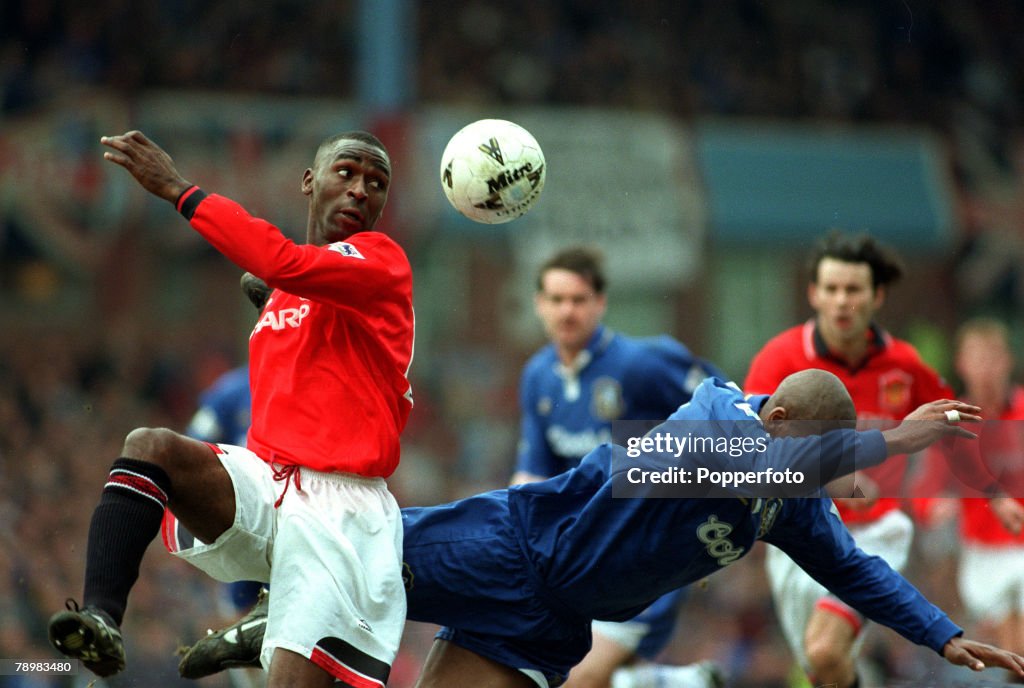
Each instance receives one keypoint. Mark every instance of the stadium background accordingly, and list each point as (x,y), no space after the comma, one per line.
(702,144)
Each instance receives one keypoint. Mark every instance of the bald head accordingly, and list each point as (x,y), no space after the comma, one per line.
(809,395)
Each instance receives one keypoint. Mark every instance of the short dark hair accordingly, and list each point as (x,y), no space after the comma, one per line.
(886,265)
(585,261)
(354,135)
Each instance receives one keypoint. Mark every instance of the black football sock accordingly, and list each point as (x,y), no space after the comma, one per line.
(125,521)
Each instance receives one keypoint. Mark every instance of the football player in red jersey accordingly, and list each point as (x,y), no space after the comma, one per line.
(990,476)
(849,278)
(306,504)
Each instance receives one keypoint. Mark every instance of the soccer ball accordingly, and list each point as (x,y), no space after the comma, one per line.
(492,171)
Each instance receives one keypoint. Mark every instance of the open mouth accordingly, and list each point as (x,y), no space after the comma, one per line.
(349,217)
(844,322)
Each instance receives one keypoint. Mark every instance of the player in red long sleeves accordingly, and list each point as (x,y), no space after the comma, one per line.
(989,475)
(849,279)
(305,507)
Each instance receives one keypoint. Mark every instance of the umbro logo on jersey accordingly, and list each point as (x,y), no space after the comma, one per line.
(284,318)
(365,626)
(347,249)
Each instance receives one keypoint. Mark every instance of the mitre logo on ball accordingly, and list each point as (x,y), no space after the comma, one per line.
(492,171)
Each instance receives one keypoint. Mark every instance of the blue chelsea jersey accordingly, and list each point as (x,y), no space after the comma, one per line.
(568,410)
(527,567)
(585,551)
(224,409)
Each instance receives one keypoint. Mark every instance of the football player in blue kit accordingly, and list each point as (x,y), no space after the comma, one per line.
(589,375)
(570,393)
(516,576)
(224,409)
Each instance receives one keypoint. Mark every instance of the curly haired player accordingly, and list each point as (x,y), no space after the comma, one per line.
(849,278)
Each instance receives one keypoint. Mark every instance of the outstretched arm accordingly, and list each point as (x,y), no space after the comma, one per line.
(836,454)
(811,533)
(370,268)
(150,164)
(818,542)
(929,423)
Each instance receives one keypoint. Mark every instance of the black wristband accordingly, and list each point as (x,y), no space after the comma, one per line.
(189,200)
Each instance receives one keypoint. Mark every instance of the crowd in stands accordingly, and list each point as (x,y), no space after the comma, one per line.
(67,397)
(941,63)
(946,64)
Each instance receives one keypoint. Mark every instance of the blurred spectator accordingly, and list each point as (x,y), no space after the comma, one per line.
(64,400)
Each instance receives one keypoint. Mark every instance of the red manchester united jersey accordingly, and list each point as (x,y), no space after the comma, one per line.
(330,353)
(890,383)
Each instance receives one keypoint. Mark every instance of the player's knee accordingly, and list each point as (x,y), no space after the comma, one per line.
(826,656)
(155,445)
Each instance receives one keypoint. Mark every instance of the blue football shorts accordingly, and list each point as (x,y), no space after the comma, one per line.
(466,571)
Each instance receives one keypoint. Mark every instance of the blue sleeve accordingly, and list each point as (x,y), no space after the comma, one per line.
(207,424)
(756,465)
(820,458)
(533,455)
(814,537)
(224,408)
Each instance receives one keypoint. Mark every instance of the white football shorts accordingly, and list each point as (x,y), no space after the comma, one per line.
(796,595)
(332,554)
(991,581)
